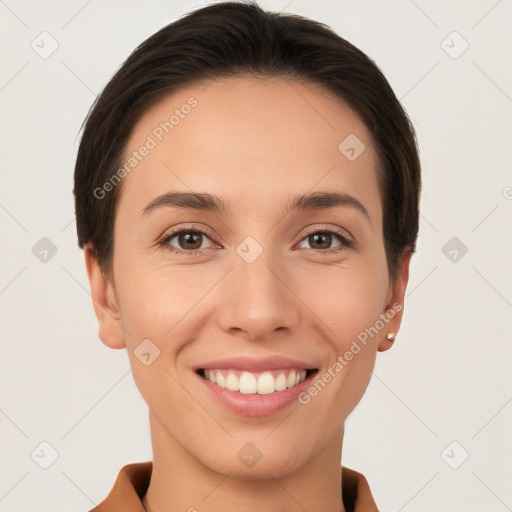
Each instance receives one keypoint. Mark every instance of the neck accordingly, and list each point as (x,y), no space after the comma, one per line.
(179,481)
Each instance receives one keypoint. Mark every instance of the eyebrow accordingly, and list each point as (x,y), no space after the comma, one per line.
(208,202)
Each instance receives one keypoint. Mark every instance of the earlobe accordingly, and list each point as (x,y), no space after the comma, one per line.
(394,308)
(104,302)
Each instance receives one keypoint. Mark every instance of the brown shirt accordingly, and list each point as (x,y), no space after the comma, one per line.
(133,481)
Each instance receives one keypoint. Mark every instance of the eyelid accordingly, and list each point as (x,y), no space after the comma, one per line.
(347,241)
(343,233)
(188,227)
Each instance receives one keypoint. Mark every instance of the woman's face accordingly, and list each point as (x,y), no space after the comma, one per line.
(256,279)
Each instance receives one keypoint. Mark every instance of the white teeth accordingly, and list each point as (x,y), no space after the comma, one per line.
(220,380)
(281,382)
(250,384)
(290,381)
(232,382)
(266,384)
(247,383)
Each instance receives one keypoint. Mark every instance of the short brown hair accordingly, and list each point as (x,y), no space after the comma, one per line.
(230,39)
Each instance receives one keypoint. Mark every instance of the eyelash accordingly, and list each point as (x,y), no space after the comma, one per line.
(346,243)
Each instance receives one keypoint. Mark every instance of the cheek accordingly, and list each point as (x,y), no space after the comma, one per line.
(153,307)
(350,308)
(349,303)
(167,306)
(150,299)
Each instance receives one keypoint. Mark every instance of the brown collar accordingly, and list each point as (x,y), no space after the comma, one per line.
(133,480)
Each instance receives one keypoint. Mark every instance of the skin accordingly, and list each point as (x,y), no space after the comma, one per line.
(254,143)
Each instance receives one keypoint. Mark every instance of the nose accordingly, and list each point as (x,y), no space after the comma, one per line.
(258,299)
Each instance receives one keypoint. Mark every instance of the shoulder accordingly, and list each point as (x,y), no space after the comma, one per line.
(130,486)
(356,493)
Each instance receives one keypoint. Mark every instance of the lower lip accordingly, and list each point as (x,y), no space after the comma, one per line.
(254,404)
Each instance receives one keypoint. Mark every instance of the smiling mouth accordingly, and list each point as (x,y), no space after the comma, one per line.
(261,383)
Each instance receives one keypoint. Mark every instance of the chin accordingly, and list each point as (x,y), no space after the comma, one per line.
(260,467)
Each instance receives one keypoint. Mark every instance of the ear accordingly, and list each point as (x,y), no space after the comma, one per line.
(104,302)
(395,301)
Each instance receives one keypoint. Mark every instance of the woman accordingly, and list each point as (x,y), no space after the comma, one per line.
(247,190)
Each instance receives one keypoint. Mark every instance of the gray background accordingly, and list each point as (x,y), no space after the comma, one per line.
(443,390)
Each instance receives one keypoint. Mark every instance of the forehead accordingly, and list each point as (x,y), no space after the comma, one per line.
(250,140)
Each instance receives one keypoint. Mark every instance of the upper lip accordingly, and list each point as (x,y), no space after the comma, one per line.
(255,365)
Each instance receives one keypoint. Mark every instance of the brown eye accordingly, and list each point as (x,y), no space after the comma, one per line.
(185,241)
(320,240)
(189,240)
